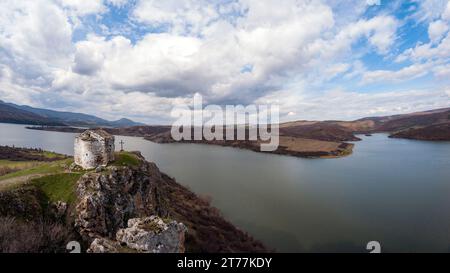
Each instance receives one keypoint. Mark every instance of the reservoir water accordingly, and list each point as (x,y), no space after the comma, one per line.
(393,191)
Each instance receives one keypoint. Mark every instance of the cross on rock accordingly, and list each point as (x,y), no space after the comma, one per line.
(121,145)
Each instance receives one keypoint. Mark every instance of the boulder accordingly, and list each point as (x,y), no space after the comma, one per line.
(146,235)
(103,245)
(152,234)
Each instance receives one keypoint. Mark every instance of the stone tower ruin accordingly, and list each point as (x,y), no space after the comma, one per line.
(94,148)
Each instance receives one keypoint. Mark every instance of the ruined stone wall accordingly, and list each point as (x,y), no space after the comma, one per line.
(109,150)
(90,154)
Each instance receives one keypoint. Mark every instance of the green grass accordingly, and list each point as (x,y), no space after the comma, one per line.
(19,164)
(126,159)
(58,187)
(50,154)
(46,154)
(43,168)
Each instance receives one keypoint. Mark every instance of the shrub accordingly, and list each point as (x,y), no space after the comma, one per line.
(207,198)
(5,170)
(32,237)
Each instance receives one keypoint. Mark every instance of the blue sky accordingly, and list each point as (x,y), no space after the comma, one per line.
(325,59)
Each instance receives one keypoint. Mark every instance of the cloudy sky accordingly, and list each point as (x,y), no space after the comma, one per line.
(138,59)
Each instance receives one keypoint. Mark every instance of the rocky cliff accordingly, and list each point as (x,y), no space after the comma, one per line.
(121,206)
(115,203)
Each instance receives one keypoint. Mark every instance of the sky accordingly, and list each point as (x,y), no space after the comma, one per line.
(317,60)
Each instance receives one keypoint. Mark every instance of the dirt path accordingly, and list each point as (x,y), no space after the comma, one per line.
(18,180)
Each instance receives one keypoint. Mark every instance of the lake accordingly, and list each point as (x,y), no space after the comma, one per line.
(393,191)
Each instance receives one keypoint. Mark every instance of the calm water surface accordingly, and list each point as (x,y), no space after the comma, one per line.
(393,191)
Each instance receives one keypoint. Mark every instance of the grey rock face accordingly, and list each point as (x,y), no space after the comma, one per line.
(103,245)
(116,204)
(108,200)
(152,234)
(145,235)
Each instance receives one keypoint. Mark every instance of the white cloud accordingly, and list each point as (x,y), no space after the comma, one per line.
(35,29)
(88,57)
(170,64)
(436,14)
(446,14)
(83,7)
(423,52)
(442,72)
(383,29)
(173,65)
(230,51)
(181,16)
(117,3)
(350,105)
(12,91)
(373,2)
(430,10)
(408,73)
(35,38)
(336,69)
(379,31)
(437,30)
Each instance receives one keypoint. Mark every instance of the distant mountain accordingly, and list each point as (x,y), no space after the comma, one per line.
(9,114)
(431,132)
(124,122)
(426,125)
(22,114)
(398,123)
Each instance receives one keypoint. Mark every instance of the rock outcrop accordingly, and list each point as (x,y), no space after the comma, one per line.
(153,234)
(118,207)
(107,200)
(104,245)
(147,235)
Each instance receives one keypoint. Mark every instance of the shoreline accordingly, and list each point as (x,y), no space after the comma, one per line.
(289,145)
(344,149)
